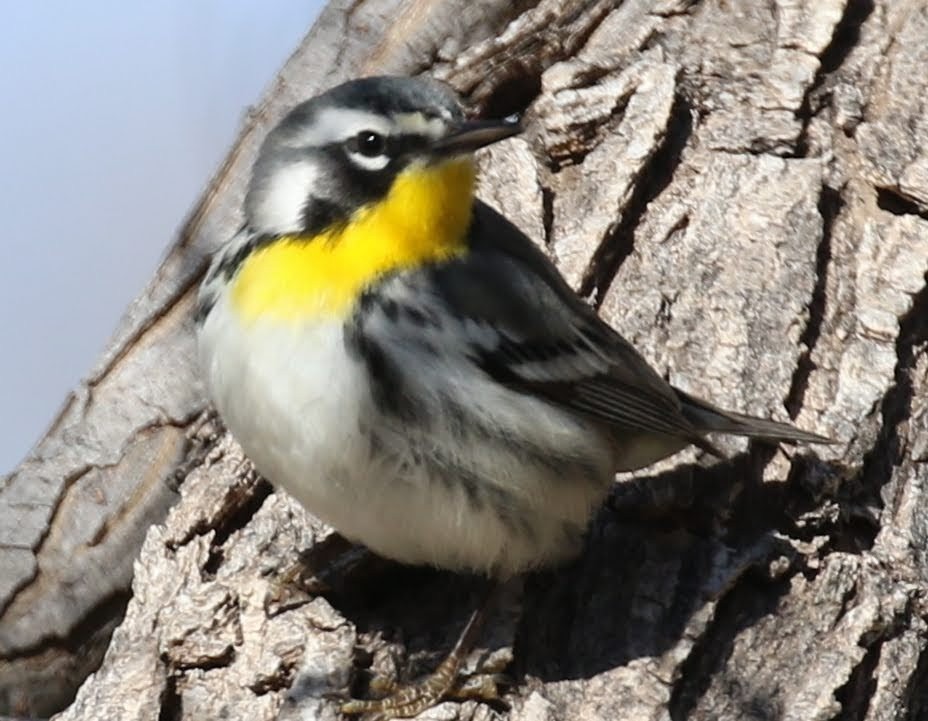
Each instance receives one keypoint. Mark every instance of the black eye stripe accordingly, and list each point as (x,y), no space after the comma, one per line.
(393,145)
(407,143)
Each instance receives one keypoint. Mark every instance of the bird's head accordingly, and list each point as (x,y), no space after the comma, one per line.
(400,140)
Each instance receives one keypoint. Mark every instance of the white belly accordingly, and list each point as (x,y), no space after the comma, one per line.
(300,405)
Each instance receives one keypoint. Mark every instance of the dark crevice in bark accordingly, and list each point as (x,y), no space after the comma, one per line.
(171,704)
(893,201)
(587,136)
(846,35)
(222,659)
(655,176)
(511,95)
(829,205)
(242,509)
(817,509)
(520,75)
(547,213)
(843,40)
(916,691)
(887,453)
(513,77)
(738,610)
(854,696)
(598,10)
(792,508)
(244,512)
(279,681)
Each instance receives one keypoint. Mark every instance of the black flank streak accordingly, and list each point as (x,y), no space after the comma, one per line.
(366,303)
(419,317)
(387,386)
(564,467)
(505,508)
(471,488)
(390,308)
(482,492)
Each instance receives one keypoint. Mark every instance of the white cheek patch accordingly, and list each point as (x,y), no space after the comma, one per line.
(279,207)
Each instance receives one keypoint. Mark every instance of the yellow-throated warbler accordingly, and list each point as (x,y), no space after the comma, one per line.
(407,364)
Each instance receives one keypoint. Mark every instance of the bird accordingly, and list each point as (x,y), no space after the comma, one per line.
(410,366)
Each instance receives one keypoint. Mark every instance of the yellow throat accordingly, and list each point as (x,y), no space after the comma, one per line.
(423,219)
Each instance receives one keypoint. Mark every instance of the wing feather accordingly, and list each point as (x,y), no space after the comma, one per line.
(548,342)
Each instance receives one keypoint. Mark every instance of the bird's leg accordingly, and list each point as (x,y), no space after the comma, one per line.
(315,573)
(443,682)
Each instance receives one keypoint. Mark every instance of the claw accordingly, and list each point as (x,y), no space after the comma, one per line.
(445,682)
(406,701)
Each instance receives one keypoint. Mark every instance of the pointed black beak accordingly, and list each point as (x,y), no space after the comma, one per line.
(474,134)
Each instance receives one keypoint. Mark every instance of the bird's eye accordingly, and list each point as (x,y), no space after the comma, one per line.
(369,144)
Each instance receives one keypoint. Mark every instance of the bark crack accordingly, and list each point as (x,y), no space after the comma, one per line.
(170,702)
(238,511)
(844,40)
(547,213)
(67,484)
(854,696)
(896,408)
(916,691)
(655,176)
(893,201)
(99,621)
(737,610)
(829,206)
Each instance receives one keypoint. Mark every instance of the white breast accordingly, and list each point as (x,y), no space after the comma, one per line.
(292,398)
(299,404)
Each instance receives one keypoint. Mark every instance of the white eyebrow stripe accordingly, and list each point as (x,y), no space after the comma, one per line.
(418,124)
(333,125)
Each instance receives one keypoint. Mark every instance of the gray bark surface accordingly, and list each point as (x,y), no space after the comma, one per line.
(741,189)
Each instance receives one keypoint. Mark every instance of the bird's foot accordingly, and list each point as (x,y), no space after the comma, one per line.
(446,683)
(412,699)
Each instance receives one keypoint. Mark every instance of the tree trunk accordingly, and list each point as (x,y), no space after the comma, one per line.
(741,188)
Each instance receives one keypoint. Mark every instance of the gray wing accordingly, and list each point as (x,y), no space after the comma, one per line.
(544,340)
(537,336)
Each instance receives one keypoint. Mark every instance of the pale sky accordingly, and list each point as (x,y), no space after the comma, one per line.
(115,115)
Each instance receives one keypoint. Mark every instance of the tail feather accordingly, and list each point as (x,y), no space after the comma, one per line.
(710,419)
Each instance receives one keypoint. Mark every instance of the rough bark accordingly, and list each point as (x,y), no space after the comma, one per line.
(741,188)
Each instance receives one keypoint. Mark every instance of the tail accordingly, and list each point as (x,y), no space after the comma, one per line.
(707,418)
